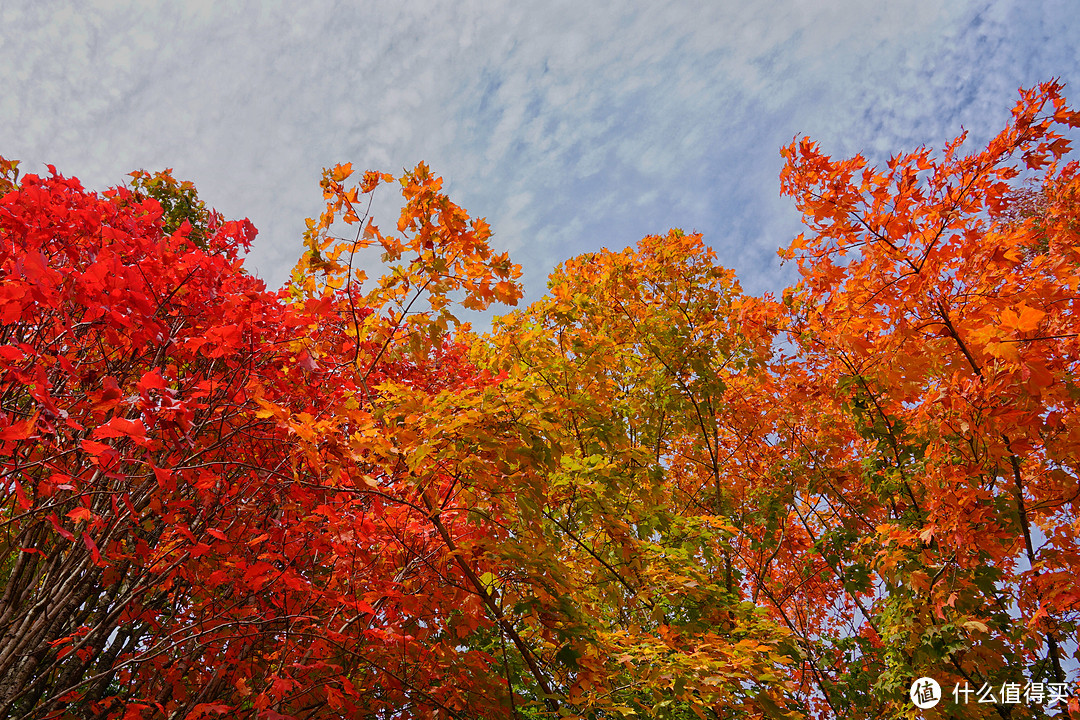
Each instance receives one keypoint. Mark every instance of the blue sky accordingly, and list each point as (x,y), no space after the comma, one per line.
(570,125)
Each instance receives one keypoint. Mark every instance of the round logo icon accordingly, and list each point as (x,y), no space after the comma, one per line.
(925,693)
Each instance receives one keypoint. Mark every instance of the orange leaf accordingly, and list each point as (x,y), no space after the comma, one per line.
(81,514)
(341,172)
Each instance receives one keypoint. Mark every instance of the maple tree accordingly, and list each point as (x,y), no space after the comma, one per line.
(645,495)
(631,367)
(172,542)
(932,488)
(129,355)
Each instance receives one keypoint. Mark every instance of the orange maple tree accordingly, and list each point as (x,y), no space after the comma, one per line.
(934,482)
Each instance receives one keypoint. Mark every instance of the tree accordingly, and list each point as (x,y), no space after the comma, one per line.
(127,363)
(632,370)
(192,521)
(936,477)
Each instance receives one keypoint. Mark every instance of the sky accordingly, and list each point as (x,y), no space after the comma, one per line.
(570,126)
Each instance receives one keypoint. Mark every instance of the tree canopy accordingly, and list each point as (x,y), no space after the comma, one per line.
(645,495)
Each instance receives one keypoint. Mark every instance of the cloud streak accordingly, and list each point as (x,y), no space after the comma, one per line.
(570,125)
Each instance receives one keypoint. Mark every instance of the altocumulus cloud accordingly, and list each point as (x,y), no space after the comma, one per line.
(570,125)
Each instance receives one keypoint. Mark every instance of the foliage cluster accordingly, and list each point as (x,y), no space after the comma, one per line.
(646,495)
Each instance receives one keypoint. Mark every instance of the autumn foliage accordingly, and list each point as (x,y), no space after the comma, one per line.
(645,495)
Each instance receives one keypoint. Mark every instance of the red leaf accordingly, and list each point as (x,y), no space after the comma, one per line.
(93,548)
(96,449)
(62,482)
(110,395)
(134,711)
(20,495)
(11,353)
(165,479)
(199,550)
(334,698)
(307,362)
(120,427)
(151,380)
(223,339)
(18,431)
(66,534)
